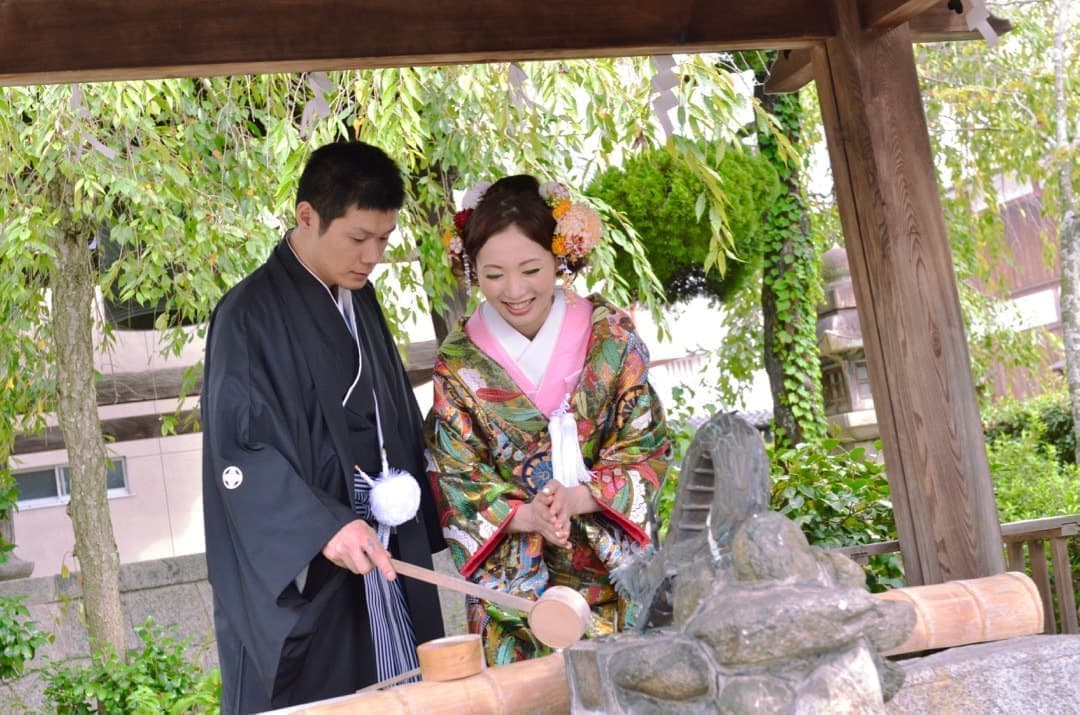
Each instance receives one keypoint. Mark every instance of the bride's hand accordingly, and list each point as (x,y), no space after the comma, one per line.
(535,518)
(566,502)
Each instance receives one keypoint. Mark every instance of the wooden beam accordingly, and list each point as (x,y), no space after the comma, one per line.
(46,41)
(881,14)
(117,429)
(160,384)
(940,24)
(909,309)
(935,23)
(791,71)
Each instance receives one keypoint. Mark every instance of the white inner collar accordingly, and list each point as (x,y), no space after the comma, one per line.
(532,356)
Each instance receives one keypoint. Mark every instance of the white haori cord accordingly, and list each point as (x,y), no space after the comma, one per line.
(394,498)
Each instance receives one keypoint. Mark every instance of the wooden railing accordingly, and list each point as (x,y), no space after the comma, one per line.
(1035,534)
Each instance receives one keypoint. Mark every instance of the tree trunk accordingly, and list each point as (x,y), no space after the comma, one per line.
(95,547)
(1070,313)
(791,279)
(1070,225)
(447,319)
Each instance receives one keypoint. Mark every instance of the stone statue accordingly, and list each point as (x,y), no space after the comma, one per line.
(739,613)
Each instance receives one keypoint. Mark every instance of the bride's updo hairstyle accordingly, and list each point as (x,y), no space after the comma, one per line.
(510,201)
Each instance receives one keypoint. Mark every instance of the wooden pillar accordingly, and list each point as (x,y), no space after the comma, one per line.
(908,304)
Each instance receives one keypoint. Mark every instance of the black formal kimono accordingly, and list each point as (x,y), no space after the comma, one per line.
(278,455)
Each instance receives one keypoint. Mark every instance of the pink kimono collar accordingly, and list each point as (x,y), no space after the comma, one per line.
(562,349)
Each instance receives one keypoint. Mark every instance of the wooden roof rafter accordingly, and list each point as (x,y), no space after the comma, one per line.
(929,21)
(48,41)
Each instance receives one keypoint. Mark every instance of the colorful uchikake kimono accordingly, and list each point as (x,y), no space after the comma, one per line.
(491,452)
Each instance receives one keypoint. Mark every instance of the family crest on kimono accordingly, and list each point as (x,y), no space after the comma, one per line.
(547,444)
(307,412)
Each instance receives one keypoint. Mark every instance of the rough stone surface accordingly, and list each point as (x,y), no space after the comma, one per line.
(452,602)
(756,626)
(770,547)
(163,572)
(1035,674)
(842,570)
(761,621)
(685,672)
(587,685)
(694,583)
(179,611)
(891,675)
(847,683)
(754,694)
(14,568)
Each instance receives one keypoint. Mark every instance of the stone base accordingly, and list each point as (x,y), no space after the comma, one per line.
(857,426)
(15,568)
(1036,674)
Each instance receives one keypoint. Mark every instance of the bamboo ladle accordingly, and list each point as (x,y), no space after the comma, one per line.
(558,619)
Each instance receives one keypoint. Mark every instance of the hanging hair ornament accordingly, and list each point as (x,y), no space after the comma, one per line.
(567,280)
(467,265)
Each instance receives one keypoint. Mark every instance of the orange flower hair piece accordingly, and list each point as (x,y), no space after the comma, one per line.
(577,226)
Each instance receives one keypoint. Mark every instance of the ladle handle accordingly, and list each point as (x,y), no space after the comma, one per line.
(461,585)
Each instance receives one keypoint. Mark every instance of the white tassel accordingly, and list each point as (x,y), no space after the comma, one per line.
(395,498)
(567,464)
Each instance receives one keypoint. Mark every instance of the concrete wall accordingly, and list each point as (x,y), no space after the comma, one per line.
(173,591)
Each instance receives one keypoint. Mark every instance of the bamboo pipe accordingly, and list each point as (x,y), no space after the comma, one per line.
(1006,605)
(558,618)
(970,611)
(537,687)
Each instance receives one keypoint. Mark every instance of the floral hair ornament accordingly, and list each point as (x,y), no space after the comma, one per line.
(577,226)
(452,236)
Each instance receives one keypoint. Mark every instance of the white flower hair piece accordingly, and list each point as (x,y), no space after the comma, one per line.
(554,191)
(473,196)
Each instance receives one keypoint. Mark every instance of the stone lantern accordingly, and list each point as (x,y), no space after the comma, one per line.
(845,377)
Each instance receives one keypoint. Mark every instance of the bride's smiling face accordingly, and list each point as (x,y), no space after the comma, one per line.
(517,277)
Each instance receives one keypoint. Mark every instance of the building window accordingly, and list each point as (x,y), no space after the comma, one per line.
(50,486)
(835,387)
(862,382)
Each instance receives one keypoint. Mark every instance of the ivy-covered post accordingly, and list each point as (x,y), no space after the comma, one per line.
(791,281)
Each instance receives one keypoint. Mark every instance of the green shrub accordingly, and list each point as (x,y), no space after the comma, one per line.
(1031,480)
(19,637)
(838,498)
(1049,413)
(658,192)
(158,678)
(9,502)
